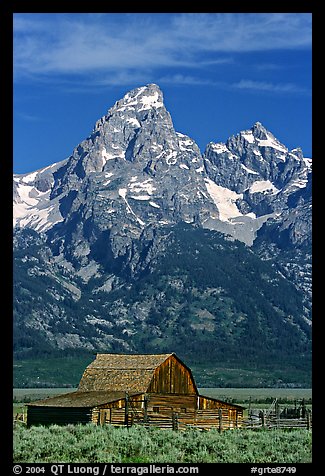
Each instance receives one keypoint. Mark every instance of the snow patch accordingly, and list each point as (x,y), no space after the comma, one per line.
(169,156)
(110,156)
(133,121)
(140,197)
(271,142)
(224,199)
(29,178)
(184,142)
(140,187)
(250,171)
(248,135)
(263,186)
(307,162)
(299,183)
(122,193)
(151,101)
(219,148)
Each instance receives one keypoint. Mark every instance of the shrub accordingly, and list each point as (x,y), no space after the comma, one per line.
(91,444)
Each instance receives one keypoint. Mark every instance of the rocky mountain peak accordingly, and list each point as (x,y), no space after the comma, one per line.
(259,131)
(135,169)
(142,99)
(134,107)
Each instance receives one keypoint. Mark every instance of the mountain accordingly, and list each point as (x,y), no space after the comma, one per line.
(138,242)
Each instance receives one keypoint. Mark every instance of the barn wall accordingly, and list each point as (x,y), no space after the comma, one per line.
(57,415)
(172,377)
(171,403)
(211,403)
(161,411)
(231,411)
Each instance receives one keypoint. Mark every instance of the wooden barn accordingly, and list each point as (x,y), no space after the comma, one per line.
(120,389)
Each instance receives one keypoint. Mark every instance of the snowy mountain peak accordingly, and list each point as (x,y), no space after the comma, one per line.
(135,170)
(259,137)
(140,99)
(132,107)
(259,131)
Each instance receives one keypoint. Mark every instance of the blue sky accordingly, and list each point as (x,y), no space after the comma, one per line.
(219,73)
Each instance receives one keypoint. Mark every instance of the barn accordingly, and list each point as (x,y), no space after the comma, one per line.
(123,389)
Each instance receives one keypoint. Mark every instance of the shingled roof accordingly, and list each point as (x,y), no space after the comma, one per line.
(121,372)
(79,399)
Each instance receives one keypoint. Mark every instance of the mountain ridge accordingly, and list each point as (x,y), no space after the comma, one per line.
(100,222)
(218,194)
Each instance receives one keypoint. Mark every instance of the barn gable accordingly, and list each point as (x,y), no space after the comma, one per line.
(173,377)
(153,373)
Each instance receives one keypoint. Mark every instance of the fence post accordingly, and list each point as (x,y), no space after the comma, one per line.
(308,419)
(175,421)
(145,409)
(277,413)
(303,408)
(262,418)
(220,419)
(126,416)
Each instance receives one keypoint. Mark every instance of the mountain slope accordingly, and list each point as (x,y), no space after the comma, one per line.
(185,299)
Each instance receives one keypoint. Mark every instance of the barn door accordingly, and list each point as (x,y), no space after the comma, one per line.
(232,418)
(104,416)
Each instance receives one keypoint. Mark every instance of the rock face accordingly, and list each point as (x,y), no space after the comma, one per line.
(134,170)
(134,165)
(262,174)
(106,211)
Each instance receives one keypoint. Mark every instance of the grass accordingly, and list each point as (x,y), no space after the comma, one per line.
(30,394)
(94,444)
(258,395)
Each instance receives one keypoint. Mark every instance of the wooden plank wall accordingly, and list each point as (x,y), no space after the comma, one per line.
(172,377)
(164,410)
(172,402)
(203,419)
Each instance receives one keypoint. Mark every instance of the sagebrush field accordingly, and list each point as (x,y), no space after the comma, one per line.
(94,444)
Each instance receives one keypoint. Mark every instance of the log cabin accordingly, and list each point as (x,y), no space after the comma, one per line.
(124,389)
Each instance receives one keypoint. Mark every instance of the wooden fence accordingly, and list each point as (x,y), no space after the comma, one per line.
(205,420)
(264,420)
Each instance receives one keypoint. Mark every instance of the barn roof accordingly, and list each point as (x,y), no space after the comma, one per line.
(222,402)
(80,399)
(121,372)
(129,361)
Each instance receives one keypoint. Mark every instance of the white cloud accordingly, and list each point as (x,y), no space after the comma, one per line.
(57,44)
(29,117)
(234,32)
(249,84)
(182,79)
